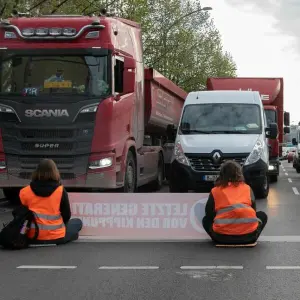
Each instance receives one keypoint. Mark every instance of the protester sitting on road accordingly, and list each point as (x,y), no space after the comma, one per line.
(48,199)
(230,212)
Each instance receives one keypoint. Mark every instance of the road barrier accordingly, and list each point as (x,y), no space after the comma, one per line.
(144,217)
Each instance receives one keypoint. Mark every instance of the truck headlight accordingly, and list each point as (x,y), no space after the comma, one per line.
(89,109)
(101,163)
(257,153)
(179,154)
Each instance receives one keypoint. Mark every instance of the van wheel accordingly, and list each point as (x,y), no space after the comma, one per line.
(158,183)
(262,191)
(12,195)
(130,174)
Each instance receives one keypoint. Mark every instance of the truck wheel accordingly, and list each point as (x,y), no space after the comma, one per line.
(298,170)
(12,195)
(130,174)
(262,191)
(273,178)
(158,183)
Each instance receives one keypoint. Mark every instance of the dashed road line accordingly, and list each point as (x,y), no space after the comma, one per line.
(290,180)
(286,174)
(46,267)
(283,267)
(211,267)
(128,268)
(295,190)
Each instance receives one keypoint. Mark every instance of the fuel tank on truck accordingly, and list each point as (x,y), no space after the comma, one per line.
(163,102)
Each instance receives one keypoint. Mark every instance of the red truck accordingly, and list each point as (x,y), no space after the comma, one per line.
(271,91)
(75,89)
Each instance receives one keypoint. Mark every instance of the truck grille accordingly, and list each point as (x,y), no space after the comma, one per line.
(47,133)
(206,164)
(47,147)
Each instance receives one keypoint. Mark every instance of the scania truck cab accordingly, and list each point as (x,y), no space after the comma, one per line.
(75,89)
(216,126)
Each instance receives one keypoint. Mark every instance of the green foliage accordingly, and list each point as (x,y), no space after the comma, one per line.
(179,39)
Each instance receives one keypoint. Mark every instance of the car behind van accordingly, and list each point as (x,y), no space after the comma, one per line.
(216,126)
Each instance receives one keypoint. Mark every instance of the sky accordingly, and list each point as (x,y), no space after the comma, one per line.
(264,40)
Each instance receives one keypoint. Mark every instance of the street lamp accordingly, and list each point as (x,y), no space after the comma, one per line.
(206,8)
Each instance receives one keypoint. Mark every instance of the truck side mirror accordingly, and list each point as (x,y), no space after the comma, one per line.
(294,142)
(129,75)
(272,131)
(286,130)
(286,118)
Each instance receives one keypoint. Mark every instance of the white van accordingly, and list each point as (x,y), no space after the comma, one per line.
(216,126)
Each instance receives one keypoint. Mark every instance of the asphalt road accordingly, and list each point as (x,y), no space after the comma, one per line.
(166,271)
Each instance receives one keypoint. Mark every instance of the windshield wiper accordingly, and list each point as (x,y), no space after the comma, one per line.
(197,131)
(232,131)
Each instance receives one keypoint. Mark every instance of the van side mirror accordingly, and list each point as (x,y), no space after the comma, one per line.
(294,142)
(286,130)
(286,118)
(129,75)
(171,132)
(272,131)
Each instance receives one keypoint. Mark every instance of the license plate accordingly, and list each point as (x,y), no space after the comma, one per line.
(210,177)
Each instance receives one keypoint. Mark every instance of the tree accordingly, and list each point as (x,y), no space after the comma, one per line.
(179,39)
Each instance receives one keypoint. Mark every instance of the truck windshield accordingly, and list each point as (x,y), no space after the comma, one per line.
(221,119)
(54,75)
(271,116)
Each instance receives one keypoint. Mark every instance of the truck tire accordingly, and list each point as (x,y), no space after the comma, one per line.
(273,178)
(262,191)
(158,183)
(12,195)
(298,169)
(130,174)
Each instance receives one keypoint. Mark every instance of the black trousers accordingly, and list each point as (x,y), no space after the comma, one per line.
(236,239)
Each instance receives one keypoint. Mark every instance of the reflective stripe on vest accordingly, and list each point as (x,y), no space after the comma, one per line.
(232,207)
(236,221)
(48,217)
(47,227)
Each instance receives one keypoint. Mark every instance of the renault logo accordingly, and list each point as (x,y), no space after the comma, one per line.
(216,157)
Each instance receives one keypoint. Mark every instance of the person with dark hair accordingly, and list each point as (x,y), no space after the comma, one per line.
(49,201)
(230,212)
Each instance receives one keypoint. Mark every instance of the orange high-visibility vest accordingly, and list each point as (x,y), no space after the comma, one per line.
(234,214)
(47,213)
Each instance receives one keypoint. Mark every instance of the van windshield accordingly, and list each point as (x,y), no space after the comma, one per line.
(220,118)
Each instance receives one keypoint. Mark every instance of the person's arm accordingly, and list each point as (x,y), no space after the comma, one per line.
(65,208)
(210,207)
(253,199)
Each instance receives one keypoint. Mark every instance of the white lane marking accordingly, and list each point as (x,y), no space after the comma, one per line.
(2,203)
(286,174)
(128,268)
(211,267)
(262,238)
(295,191)
(290,180)
(46,267)
(283,267)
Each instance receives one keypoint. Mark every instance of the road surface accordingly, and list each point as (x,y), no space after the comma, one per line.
(172,271)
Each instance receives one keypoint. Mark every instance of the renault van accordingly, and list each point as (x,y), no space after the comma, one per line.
(216,126)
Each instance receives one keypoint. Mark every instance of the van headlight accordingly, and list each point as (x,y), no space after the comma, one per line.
(258,152)
(179,154)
